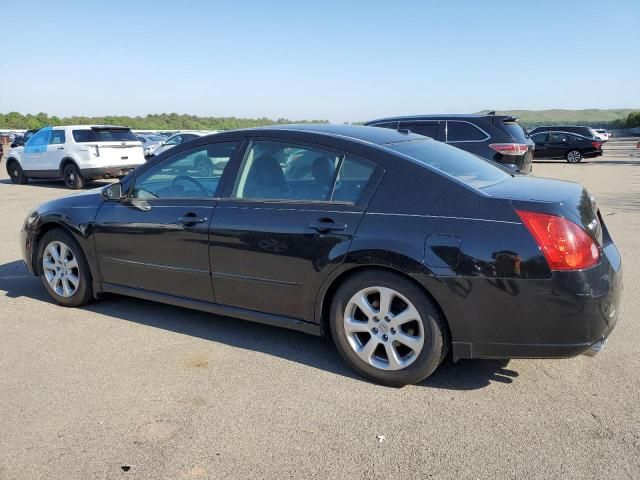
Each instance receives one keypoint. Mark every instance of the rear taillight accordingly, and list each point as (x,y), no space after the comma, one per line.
(596,144)
(565,245)
(510,148)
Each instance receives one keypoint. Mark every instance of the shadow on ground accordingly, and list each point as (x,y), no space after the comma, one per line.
(312,351)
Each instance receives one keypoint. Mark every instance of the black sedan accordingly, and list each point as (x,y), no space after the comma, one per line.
(569,146)
(399,247)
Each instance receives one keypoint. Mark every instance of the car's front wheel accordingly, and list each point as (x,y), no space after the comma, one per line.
(574,156)
(64,269)
(16,174)
(387,328)
(73,179)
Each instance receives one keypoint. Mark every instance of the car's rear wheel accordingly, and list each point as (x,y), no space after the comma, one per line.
(574,156)
(16,174)
(64,269)
(72,177)
(387,328)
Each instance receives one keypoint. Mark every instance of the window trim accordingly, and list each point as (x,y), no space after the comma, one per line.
(219,188)
(446,133)
(363,201)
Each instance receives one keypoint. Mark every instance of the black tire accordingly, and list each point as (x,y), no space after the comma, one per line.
(73,179)
(15,172)
(435,330)
(84,291)
(574,156)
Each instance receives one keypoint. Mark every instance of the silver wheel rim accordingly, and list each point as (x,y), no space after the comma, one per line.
(573,156)
(60,268)
(383,328)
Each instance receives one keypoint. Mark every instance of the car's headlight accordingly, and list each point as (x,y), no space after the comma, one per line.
(31,218)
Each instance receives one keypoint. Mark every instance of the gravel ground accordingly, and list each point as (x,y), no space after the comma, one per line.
(176,394)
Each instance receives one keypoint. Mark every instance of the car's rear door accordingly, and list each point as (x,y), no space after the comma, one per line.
(276,235)
(157,238)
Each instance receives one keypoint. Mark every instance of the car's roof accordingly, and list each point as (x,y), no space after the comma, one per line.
(434,116)
(374,135)
(561,126)
(88,127)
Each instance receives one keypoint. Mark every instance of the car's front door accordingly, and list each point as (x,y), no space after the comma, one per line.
(157,238)
(285,223)
(34,152)
(542,145)
(558,144)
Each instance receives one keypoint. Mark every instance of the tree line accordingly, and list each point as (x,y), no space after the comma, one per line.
(161,121)
(632,121)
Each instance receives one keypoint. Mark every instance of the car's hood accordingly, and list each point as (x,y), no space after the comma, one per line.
(87,199)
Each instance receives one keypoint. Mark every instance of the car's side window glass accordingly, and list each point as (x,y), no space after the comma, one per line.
(463,132)
(38,142)
(351,181)
(281,171)
(391,125)
(428,129)
(57,137)
(175,140)
(558,138)
(539,137)
(194,173)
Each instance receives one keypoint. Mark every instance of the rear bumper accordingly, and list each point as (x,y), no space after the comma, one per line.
(570,314)
(114,171)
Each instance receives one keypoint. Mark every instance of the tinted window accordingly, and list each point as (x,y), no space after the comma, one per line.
(280,171)
(559,137)
(391,125)
(463,131)
(104,135)
(175,140)
(539,137)
(462,165)
(57,137)
(428,129)
(514,130)
(194,173)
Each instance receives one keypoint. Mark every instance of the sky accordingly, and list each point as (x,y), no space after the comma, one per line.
(336,60)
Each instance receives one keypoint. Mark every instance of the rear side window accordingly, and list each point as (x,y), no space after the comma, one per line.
(104,135)
(391,125)
(515,131)
(57,137)
(464,132)
(428,129)
(452,161)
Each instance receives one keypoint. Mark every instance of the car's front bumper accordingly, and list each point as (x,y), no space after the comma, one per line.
(27,245)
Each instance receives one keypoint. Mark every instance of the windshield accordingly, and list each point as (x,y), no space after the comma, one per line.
(462,165)
(104,135)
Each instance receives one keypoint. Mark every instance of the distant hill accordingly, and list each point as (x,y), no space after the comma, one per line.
(591,117)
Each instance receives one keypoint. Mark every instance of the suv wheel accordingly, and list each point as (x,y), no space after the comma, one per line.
(574,156)
(72,177)
(16,174)
(387,329)
(64,269)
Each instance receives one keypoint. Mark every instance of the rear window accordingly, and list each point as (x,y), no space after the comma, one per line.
(515,131)
(104,135)
(462,165)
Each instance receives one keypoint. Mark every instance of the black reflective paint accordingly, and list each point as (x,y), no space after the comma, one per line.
(263,261)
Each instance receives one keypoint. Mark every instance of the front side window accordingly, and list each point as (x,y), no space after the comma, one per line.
(57,137)
(281,171)
(39,141)
(194,173)
(464,132)
(539,137)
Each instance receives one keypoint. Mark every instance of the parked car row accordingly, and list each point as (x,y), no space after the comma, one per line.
(303,226)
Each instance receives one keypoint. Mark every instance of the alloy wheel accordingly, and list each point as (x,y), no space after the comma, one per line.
(60,268)
(574,156)
(383,328)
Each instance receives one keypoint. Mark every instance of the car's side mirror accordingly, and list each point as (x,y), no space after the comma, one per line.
(113,192)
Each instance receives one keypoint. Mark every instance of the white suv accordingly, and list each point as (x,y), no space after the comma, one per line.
(76,154)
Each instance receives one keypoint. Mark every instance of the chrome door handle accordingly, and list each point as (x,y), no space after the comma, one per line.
(192,219)
(60,148)
(326,226)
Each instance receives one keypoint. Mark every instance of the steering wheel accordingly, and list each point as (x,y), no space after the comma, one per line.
(189,179)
